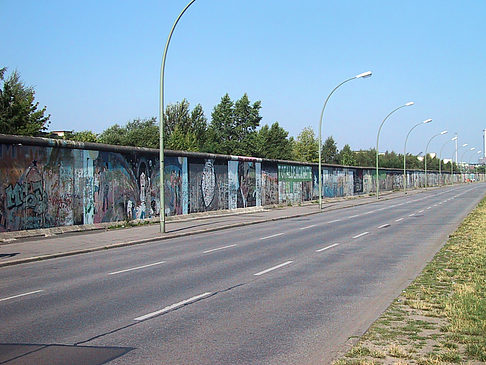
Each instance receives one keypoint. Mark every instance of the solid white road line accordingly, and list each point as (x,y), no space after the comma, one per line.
(220,248)
(272,268)
(312,225)
(173,306)
(273,235)
(361,234)
(384,225)
(399,219)
(327,248)
(21,295)
(136,268)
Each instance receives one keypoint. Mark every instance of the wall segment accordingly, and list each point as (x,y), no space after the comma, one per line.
(49,183)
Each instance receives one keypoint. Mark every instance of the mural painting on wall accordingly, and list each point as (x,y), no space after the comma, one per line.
(269,184)
(358,181)
(293,181)
(123,187)
(244,183)
(24,198)
(208,185)
(342,182)
(176,186)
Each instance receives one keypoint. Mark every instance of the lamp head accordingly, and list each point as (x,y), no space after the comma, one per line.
(472,148)
(427,121)
(363,75)
(464,145)
(443,132)
(409,103)
(453,139)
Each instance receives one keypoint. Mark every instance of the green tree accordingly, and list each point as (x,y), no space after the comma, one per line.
(273,143)
(365,158)
(138,133)
(19,113)
(82,136)
(185,130)
(233,126)
(306,147)
(330,151)
(347,156)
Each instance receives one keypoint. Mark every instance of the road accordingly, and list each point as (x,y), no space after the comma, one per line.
(287,292)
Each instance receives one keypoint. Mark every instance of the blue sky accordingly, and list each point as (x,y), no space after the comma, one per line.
(96,63)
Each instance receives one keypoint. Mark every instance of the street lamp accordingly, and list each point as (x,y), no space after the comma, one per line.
(410,103)
(426,149)
(440,155)
(462,158)
(405,154)
(457,160)
(161,123)
(360,76)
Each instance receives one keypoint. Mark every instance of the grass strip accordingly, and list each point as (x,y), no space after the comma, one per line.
(441,317)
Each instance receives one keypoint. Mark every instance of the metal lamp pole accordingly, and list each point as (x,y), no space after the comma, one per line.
(161,122)
(440,156)
(377,140)
(457,160)
(362,75)
(405,154)
(426,149)
(462,160)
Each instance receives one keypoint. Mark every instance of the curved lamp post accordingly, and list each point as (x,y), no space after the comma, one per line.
(360,76)
(462,159)
(426,149)
(440,155)
(457,160)
(410,103)
(405,154)
(161,122)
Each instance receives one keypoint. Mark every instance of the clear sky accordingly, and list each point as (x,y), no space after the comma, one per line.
(96,63)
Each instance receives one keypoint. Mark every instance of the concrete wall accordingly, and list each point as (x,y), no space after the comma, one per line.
(48,183)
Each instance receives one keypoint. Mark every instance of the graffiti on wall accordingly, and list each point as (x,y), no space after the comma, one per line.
(44,187)
(269,184)
(358,182)
(244,184)
(208,185)
(294,183)
(176,186)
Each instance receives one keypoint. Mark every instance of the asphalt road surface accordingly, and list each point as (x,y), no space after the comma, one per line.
(286,292)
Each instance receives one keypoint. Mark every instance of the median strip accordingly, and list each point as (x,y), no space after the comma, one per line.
(173,306)
(273,268)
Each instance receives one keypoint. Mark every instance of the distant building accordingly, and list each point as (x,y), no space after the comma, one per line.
(60,133)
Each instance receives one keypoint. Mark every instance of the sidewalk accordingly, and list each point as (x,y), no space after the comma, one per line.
(48,243)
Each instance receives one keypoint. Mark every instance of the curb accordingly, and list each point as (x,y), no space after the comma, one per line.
(182,234)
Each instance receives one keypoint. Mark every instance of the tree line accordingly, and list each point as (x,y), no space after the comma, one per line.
(234,128)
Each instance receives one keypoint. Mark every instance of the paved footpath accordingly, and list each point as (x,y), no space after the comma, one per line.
(29,246)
